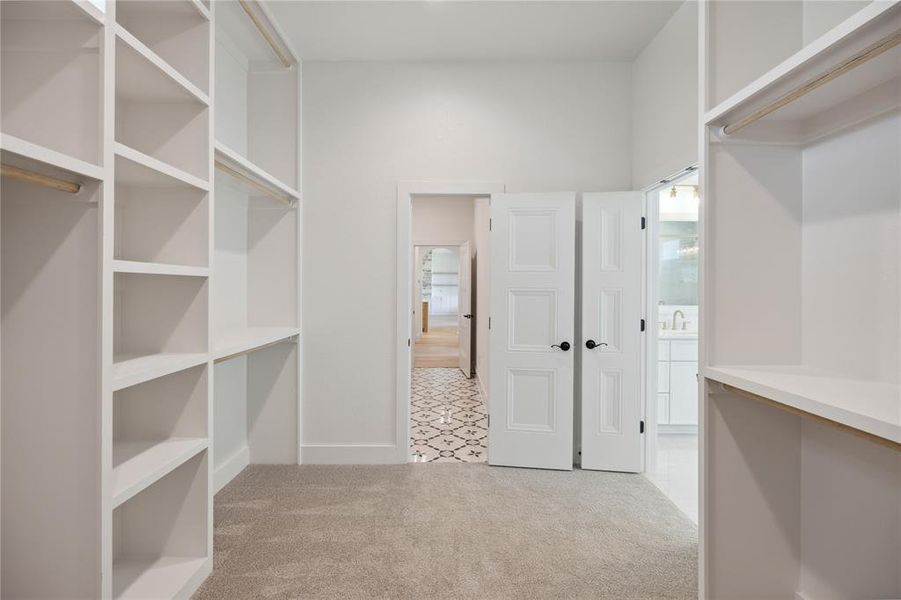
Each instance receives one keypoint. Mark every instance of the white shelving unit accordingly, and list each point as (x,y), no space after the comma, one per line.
(129,291)
(801,408)
(256,255)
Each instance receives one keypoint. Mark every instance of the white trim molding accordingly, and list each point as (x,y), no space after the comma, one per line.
(352,454)
(404,288)
(230,469)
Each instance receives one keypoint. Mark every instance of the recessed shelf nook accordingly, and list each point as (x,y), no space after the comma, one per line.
(802,283)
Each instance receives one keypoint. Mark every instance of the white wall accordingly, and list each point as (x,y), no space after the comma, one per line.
(533,126)
(442,220)
(665,100)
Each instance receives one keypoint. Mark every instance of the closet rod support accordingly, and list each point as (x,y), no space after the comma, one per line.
(883,45)
(39,179)
(265,189)
(265,33)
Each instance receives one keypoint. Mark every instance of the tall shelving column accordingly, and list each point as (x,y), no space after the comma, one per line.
(53,184)
(156,534)
(256,231)
(800,328)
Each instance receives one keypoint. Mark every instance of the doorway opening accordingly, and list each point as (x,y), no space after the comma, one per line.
(436,307)
(448,411)
(672,407)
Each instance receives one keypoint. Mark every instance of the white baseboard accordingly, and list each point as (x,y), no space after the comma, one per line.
(230,468)
(482,390)
(352,454)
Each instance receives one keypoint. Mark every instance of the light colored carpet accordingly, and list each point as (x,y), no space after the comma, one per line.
(447,531)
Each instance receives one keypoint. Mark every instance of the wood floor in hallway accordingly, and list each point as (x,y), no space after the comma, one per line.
(438,347)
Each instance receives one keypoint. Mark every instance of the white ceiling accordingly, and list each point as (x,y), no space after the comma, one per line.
(483,30)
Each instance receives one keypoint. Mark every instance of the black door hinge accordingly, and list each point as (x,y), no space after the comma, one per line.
(641,427)
(408,342)
(489,322)
(642,325)
(489,224)
(644,223)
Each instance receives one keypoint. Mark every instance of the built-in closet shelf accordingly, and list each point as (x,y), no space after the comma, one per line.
(142,76)
(874,23)
(234,343)
(166,577)
(57,11)
(252,178)
(132,371)
(159,166)
(869,406)
(149,268)
(26,155)
(139,464)
(175,9)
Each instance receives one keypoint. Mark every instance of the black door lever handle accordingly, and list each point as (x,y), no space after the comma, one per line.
(562,345)
(467,316)
(591,344)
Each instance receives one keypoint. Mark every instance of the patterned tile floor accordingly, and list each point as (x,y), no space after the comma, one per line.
(448,421)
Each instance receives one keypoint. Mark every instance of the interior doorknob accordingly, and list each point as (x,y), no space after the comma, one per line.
(562,345)
(467,316)
(591,344)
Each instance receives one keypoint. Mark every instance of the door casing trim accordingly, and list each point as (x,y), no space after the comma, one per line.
(404,289)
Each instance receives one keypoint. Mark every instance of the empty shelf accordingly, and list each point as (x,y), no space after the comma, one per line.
(238,342)
(858,32)
(148,268)
(159,166)
(142,76)
(64,10)
(26,155)
(133,371)
(252,177)
(166,577)
(868,406)
(137,465)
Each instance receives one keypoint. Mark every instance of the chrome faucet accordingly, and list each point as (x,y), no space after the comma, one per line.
(680,313)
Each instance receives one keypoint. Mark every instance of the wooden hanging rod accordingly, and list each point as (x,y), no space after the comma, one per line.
(891,444)
(883,45)
(39,179)
(264,31)
(280,196)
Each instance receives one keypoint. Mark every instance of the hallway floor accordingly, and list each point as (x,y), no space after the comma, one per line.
(440,345)
(448,420)
(676,471)
(447,531)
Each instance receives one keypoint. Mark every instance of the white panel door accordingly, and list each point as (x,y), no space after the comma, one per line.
(612,339)
(464,310)
(532,323)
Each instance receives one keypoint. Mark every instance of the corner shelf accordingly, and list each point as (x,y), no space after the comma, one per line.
(137,465)
(148,268)
(61,10)
(871,407)
(147,77)
(159,166)
(132,371)
(252,177)
(166,577)
(235,343)
(869,25)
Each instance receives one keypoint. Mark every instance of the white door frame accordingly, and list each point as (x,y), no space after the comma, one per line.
(652,264)
(404,287)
